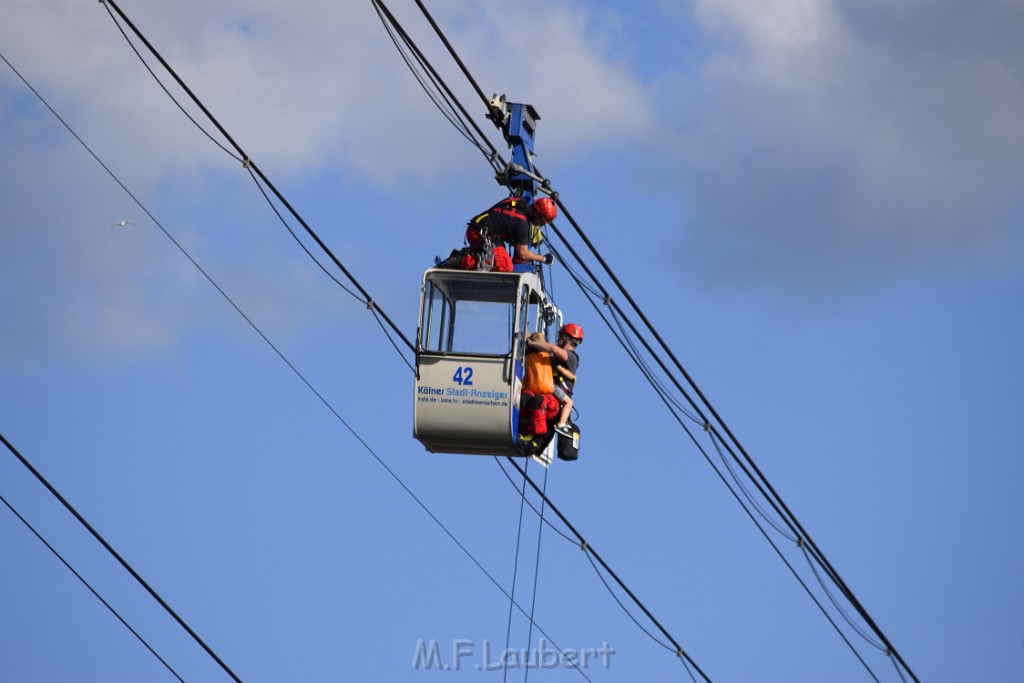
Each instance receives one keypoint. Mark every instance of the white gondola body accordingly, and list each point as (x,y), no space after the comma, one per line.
(469,358)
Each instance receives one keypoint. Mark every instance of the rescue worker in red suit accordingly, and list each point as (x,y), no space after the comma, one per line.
(509,221)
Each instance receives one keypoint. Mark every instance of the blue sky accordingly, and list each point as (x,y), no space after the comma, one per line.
(817,203)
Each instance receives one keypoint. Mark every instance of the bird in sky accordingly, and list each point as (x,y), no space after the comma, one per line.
(121,224)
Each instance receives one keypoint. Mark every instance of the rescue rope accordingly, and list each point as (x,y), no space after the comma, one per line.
(515,574)
(546,520)
(536,564)
(590,550)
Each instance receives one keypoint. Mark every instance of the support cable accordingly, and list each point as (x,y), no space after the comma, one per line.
(618,601)
(611,273)
(746,464)
(173,99)
(302,245)
(760,481)
(451,51)
(609,300)
(671,405)
(773,499)
(658,359)
(611,572)
(493,158)
(117,556)
(878,646)
(250,164)
(287,362)
(747,494)
(92,590)
(444,104)
(266,181)
(497,460)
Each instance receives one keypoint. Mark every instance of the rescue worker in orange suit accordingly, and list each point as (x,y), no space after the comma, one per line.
(512,221)
(564,361)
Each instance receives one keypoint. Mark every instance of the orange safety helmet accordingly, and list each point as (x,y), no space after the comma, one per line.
(545,209)
(573,331)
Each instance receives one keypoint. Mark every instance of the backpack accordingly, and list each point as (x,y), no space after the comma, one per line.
(569,446)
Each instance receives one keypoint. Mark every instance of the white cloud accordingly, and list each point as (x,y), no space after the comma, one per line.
(781,35)
(564,60)
(826,157)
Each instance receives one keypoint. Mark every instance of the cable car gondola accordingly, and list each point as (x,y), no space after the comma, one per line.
(470,346)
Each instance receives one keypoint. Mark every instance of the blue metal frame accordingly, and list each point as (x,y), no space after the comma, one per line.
(520,133)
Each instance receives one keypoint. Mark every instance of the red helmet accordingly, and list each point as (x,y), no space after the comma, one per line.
(545,209)
(573,331)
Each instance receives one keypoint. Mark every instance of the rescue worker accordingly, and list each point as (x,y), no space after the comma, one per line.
(512,221)
(564,361)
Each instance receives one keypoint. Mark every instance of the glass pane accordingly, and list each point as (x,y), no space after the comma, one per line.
(482,327)
(469,315)
(436,319)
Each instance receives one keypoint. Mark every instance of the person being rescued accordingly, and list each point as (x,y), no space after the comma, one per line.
(539,405)
(564,361)
(515,221)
